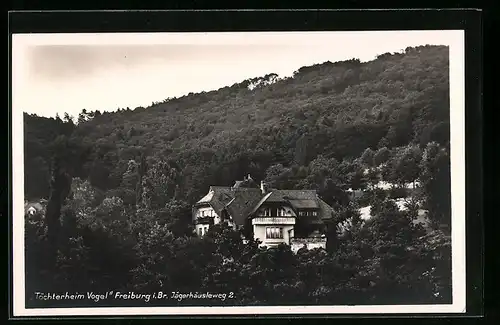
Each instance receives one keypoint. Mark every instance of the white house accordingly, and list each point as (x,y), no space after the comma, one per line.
(32,208)
(273,216)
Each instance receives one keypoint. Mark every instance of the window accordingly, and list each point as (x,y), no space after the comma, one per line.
(274,232)
(302,213)
(267,212)
(281,212)
(206,229)
(200,231)
(315,213)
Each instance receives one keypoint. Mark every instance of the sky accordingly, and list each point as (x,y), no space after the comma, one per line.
(58,73)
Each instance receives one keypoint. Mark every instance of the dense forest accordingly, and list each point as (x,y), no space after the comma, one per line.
(120,185)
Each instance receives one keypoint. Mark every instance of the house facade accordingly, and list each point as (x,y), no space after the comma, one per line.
(273,216)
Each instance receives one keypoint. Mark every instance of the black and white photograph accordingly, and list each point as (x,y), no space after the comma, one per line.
(238,172)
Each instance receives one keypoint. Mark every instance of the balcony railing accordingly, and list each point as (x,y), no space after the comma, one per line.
(308,243)
(273,221)
(204,220)
(308,240)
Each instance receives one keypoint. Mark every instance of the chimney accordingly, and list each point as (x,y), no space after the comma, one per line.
(262,187)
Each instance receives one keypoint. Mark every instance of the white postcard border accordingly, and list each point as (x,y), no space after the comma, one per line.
(457,129)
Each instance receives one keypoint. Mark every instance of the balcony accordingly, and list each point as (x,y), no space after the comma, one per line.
(273,221)
(308,243)
(207,220)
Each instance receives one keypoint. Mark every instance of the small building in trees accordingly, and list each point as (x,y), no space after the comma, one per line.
(273,216)
(32,208)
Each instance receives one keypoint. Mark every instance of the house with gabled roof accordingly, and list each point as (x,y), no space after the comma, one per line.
(273,216)
(35,207)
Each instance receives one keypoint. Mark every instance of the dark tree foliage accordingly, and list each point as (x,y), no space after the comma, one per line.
(120,187)
(436,181)
(41,136)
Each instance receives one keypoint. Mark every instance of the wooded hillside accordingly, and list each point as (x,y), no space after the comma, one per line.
(336,110)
